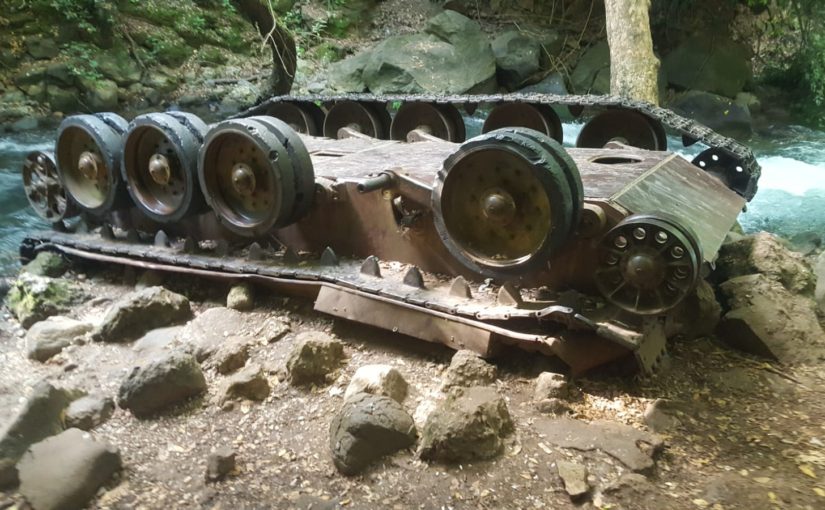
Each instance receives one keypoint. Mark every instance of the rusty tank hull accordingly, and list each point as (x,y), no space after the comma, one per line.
(398,222)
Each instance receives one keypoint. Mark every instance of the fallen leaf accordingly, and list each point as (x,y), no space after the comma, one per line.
(701,503)
(762,480)
(819,492)
(807,470)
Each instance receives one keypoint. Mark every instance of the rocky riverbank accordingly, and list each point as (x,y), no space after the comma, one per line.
(194,394)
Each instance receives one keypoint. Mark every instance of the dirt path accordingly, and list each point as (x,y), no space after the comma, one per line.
(751,435)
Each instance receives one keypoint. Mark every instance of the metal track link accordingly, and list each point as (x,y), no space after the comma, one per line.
(687,128)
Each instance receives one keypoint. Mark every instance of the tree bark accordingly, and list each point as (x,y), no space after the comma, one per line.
(634,69)
(284,52)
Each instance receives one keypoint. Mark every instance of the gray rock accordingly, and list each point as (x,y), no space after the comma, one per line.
(552,405)
(551,385)
(47,263)
(517,58)
(208,331)
(468,369)
(150,278)
(574,477)
(273,329)
(717,112)
(100,95)
(367,428)
(156,341)
(553,83)
(661,415)
(89,412)
(242,95)
(138,312)
(62,99)
(378,380)
(49,337)
(348,74)
(622,442)
(470,424)
(41,417)
(249,383)
(819,272)
(41,48)
(230,356)
(710,63)
(696,316)
(435,61)
(313,357)
(805,242)
(65,471)
(117,64)
(220,463)
(764,253)
(34,298)
(767,320)
(592,72)
(240,297)
(161,383)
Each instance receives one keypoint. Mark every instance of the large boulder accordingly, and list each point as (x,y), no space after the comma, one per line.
(160,384)
(47,338)
(471,423)
(764,253)
(435,61)
(348,74)
(592,72)
(65,471)
(40,417)
(141,311)
(717,112)
(100,95)
(467,368)
(313,358)
(34,298)
(518,57)
(378,380)
(367,428)
(710,63)
(768,320)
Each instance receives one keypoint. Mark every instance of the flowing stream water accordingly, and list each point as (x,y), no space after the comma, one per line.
(790,201)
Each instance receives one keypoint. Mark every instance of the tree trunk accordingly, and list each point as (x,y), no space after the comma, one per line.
(284,53)
(634,69)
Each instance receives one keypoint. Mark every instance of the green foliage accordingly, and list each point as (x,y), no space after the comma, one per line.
(90,16)
(83,63)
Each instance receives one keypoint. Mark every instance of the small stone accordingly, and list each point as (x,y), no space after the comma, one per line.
(274,329)
(48,264)
(150,278)
(660,415)
(65,471)
(220,463)
(468,369)
(574,476)
(378,380)
(133,315)
(367,428)
(471,423)
(89,412)
(240,297)
(249,383)
(552,406)
(41,417)
(231,356)
(313,358)
(49,337)
(551,385)
(161,383)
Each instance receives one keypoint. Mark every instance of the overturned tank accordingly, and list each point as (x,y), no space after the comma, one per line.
(378,209)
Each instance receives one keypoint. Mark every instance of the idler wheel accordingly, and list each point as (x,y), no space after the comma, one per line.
(439,120)
(503,205)
(88,151)
(252,171)
(160,165)
(624,126)
(538,117)
(305,118)
(648,263)
(571,170)
(365,118)
(726,168)
(43,188)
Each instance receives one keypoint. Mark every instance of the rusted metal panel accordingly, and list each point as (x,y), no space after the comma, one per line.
(694,197)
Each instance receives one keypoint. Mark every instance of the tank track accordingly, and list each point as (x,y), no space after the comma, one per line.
(690,130)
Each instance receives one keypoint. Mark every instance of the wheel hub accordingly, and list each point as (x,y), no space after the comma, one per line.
(159,169)
(243,179)
(89,164)
(498,206)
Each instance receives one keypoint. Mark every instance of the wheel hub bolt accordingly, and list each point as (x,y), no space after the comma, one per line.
(89,165)
(498,206)
(243,179)
(159,169)
(677,252)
